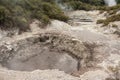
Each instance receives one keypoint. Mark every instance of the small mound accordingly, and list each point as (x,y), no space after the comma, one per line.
(47,51)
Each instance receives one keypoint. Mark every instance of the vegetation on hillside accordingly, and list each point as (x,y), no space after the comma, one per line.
(112,15)
(19,13)
(109,19)
(89,5)
(95,5)
(111,12)
(83,4)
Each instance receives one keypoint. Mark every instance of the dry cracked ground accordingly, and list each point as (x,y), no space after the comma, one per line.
(77,50)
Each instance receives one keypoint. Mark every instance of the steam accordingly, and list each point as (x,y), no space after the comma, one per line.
(63,6)
(110,2)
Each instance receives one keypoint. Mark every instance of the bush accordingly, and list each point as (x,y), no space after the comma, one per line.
(111,10)
(114,25)
(80,6)
(53,12)
(2,15)
(100,21)
(20,13)
(83,4)
(91,2)
(112,18)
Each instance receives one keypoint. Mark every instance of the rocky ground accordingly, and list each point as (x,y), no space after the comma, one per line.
(82,49)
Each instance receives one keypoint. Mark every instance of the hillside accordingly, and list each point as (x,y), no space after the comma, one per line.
(21,12)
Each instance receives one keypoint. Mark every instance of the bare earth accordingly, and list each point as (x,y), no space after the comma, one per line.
(62,51)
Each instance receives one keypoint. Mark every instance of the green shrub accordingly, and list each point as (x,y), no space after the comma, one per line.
(111,10)
(2,15)
(100,21)
(91,2)
(53,12)
(114,25)
(112,18)
(83,4)
(80,6)
(19,13)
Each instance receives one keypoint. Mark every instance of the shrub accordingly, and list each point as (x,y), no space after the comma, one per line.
(53,12)
(100,21)
(114,25)
(112,18)
(111,10)
(2,15)
(83,4)
(19,13)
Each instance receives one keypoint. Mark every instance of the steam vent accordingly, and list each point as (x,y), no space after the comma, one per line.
(47,51)
(59,40)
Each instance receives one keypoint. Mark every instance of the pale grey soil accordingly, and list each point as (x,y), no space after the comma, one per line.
(84,50)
